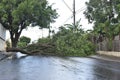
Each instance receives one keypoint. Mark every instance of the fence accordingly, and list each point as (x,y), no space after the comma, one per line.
(103,46)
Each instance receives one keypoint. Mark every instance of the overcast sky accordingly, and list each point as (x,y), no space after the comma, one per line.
(66,14)
(65,17)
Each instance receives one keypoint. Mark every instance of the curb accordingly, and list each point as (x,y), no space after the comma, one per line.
(106,58)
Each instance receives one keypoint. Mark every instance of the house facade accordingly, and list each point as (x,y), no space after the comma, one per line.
(2,38)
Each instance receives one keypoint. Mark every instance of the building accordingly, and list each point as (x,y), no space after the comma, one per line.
(2,38)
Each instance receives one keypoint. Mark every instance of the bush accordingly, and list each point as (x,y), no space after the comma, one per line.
(23,42)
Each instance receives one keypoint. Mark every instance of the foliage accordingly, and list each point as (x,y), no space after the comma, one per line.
(21,45)
(68,28)
(16,15)
(43,40)
(105,15)
(23,42)
(25,39)
(73,43)
(42,48)
(69,41)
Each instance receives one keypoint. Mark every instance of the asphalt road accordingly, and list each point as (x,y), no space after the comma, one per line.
(57,68)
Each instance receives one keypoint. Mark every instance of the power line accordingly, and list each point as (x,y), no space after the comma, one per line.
(73,11)
(80,10)
(68,19)
(67,5)
(77,12)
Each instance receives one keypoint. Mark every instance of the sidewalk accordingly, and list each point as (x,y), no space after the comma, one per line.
(109,53)
(106,58)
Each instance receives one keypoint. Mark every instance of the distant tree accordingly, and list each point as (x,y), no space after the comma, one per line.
(16,15)
(25,39)
(23,42)
(105,14)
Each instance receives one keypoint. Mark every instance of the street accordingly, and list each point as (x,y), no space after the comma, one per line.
(59,68)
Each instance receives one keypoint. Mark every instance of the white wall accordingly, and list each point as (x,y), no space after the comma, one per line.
(2,38)
(2,32)
(2,45)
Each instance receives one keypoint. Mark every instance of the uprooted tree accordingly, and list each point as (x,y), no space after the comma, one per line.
(16,15)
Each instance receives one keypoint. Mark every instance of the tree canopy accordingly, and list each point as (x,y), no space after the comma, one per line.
(105,14)
(16,15)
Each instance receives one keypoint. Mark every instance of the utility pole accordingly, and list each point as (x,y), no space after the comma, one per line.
(74,14)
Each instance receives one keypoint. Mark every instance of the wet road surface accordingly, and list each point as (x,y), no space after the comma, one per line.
(56,68)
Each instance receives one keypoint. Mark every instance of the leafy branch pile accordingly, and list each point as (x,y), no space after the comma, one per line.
(67,42)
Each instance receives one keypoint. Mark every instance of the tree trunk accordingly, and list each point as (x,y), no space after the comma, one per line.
(14,39)
(110,42)
(14,43)
(18,50)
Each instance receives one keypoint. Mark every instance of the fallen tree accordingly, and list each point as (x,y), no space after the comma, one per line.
(35,49)
(18,50)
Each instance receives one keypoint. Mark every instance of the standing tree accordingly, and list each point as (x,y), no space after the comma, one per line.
(16,15)
(105,14)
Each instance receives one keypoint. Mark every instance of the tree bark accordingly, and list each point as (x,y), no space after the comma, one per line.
(17,50)
(14,38)
(14,43)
